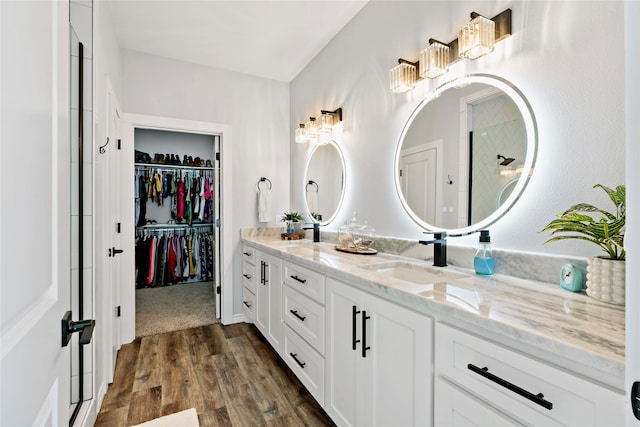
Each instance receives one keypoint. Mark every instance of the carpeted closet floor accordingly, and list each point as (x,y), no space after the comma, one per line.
(173,308)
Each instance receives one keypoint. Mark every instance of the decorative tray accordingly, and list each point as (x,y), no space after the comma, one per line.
(291,236)
(352,250)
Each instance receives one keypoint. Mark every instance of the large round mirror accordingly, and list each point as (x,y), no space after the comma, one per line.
(465,155)
(323,185)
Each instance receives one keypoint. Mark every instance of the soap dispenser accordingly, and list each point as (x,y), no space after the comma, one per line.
(483,262)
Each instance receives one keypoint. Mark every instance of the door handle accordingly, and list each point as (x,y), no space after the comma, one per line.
(114,251)
(85,327)
(354,313)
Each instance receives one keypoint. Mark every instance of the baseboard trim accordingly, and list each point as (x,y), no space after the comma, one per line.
(238,318)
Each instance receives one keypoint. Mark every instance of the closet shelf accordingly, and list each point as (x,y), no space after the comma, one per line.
(174,226)
(165,166)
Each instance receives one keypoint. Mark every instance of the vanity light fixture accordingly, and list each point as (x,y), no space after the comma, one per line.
(319,132)
(477,37)
(434,60)
(403,76)
(302,135)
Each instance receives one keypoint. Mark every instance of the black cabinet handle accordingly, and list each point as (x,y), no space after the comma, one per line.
(354,313)
(296,278)
(247,253)
(295,313)
(364,333)
(266,273)
(247,304)
(247,276)
(263,280)
(294,355)
(535,398)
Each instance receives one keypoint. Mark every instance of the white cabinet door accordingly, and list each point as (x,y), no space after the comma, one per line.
(343,351)
(455,408)
(269,298)
(379,362)
(398,381)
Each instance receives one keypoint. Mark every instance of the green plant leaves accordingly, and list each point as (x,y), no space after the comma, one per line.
(607,232)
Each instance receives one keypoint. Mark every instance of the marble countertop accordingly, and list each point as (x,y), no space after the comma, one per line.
(540,315)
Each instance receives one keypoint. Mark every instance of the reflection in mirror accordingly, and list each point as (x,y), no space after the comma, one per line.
(465,154)
(323,185)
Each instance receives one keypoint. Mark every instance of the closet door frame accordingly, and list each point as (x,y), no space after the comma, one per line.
(140,121)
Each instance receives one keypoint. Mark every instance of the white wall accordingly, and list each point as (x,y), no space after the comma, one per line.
(552,57)
(632,245)
(256,108)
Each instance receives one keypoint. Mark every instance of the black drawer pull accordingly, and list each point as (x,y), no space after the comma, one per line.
(294,355)
(535,398)
(247,304)
(247,276)
(296,278)
(295,313)
(247,253)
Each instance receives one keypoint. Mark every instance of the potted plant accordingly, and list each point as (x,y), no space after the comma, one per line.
(605,274)
(293,221)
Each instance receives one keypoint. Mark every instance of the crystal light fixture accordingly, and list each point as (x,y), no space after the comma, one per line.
(403,76)
(477,37)
(302,135)
(434,60)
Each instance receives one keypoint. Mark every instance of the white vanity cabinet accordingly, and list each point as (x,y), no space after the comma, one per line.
(268,313)
(304,331)
(248,283)
(379,360)
(479,382)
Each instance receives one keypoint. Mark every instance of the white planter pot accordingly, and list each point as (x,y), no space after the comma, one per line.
(606,279)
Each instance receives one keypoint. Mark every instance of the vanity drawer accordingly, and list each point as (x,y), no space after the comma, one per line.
(248,304)
(249,276)
(304,316)
(248,254)
(305,281)
(305,362)
(524,388)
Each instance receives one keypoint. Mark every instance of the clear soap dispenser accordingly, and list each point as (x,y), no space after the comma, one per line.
(483,262)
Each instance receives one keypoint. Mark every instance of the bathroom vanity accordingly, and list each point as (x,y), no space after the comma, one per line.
(387,340)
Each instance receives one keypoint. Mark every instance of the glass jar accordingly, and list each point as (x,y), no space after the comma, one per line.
(344,235)
(365,236)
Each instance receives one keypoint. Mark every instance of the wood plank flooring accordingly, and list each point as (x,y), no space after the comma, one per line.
(230,374)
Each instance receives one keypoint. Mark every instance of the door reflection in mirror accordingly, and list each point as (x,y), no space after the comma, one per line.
(478,129)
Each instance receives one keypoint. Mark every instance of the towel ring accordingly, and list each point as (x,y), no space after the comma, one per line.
(306,187)
(263,179)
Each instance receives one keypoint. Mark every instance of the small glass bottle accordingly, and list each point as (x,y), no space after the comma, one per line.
(483,262)
(344,235)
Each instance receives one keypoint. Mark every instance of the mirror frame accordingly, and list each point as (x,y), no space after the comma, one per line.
(532,146)
(344,182)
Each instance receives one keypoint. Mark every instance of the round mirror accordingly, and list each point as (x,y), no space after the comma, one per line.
(465,155)
(324,182)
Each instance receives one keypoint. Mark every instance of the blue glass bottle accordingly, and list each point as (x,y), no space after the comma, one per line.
(483,262)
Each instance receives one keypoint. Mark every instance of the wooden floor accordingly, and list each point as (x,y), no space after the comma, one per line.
(230,375)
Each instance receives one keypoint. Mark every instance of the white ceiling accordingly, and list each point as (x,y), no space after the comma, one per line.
(266,38)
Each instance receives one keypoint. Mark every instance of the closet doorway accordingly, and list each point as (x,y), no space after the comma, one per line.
(175,275)
(176,207)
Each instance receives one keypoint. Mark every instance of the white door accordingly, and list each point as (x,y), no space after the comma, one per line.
(114,223)
(35,212)
(420,180)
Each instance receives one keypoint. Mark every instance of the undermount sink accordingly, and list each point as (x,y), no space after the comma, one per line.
(414,273)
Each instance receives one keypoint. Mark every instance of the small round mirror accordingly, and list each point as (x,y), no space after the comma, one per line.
(466,154)
(323,187)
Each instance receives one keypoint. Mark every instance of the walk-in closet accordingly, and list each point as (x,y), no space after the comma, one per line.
(177,206)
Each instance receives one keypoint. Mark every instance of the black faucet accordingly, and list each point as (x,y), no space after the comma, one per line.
(316,231)
(439,248)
